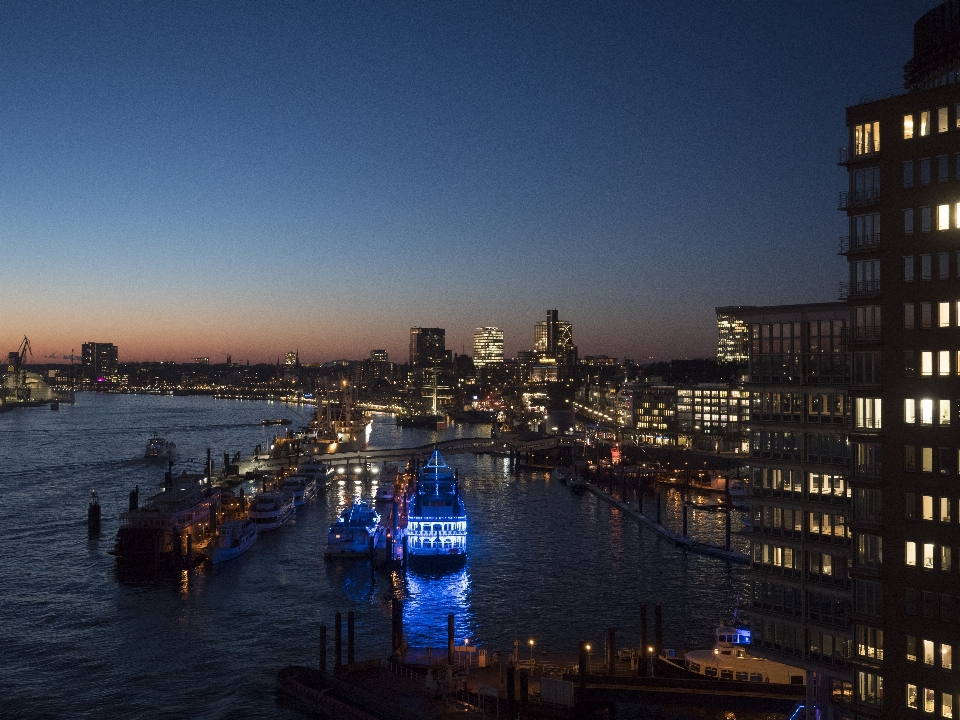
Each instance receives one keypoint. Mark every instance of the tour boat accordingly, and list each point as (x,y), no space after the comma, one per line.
(160,449)
(160,534)
(729,660)
(353,533)
(232,539)
(270,510)
(315,469)
(303,488)
(385,486)
(436,519)
(561,473)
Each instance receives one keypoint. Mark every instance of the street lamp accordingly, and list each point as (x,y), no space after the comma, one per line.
(531,650)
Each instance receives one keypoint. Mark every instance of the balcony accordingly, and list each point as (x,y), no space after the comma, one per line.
(859,243)
(869,150)
(850,199)
(864,288)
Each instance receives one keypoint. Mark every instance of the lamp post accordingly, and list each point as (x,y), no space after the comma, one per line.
(716,658)
(531,650)
(650,660)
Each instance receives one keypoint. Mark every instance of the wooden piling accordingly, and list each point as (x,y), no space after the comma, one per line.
(337,643)
(350,637)
(323,647)
(684,519)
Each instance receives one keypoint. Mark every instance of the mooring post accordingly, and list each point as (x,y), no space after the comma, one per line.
(350,624)
(323,647)
(93,514)
(658,629)
(643,634)
(337,643)
(611,651)
(684,519)
(450,639)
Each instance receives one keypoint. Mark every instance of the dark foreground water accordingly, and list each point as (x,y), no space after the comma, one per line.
(80,642)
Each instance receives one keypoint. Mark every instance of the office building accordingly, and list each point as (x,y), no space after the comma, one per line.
(902,206)
(487,346)
(379,356)
(733,335)
(427,347)
(98,361)
(800,501)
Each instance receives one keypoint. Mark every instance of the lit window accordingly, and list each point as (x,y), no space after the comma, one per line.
(911,696)
(942,119)
(926,363)
(926,506)
(911,648)
(929,700)
(944,413)
(943,217)
(911,556)
(944,509)
(926,459)
(946,705)
(909,411)
(924,123)
(908,126)
(943,364)
(928,565)
(926,411)
(908,219)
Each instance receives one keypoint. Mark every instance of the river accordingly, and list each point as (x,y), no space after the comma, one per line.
(79,641)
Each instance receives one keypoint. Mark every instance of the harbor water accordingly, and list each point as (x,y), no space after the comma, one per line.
(82,642)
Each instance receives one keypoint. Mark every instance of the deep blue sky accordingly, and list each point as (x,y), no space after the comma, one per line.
(204,178)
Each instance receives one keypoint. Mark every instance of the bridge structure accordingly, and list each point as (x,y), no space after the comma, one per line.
(510,445)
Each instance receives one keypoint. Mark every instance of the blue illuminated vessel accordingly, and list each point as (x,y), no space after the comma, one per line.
(354,533)
(437,519)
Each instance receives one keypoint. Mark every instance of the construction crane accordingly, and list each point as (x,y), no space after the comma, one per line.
(20,389)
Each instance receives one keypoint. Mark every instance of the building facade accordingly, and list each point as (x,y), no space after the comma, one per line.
(487,346)
(733,335)
(427,347)
(902,207)
(800,497)
(98,361)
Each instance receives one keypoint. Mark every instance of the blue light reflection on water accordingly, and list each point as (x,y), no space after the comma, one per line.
(79,642)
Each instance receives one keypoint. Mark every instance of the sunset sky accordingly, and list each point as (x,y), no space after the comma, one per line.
(192,179)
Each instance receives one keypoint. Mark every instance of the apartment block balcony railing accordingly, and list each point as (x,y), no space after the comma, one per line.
(859,289)
(859,243)
(869,149)
(848,199)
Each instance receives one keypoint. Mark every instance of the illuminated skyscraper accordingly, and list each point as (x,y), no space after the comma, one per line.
(99,360)
(733,335)
(487,346)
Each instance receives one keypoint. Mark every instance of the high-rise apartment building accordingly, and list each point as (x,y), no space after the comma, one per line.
(98,360)
(902,205)
(801,546)
(427,346)
(487,346)
(379,355)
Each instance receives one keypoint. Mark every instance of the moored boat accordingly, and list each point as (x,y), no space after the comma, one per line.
(270,510)
(353,533)
(160,449)
(232,539)
(729,659)
(303,488)
(437,519)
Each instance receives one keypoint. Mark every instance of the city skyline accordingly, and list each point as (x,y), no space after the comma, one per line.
(204,181)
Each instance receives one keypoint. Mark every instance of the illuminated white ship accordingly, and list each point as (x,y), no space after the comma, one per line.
(436,519)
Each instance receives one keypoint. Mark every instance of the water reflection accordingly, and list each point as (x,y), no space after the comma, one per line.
(429,600)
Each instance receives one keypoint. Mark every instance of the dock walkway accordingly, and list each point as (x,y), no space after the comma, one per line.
(678,540)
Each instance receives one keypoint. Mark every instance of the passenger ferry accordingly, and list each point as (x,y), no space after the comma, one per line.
(729,660)
(270,510)
(232,539)
(354,532)
(161,533)
(437,519)
(160,449)
(302,487)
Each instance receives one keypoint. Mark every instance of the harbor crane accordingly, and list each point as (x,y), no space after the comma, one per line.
(20,389)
